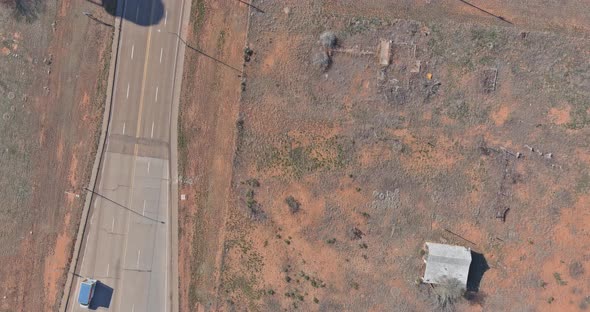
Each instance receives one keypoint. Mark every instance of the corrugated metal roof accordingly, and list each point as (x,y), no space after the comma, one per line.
(445,262)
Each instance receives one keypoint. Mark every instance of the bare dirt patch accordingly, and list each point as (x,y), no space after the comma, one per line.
(53,68)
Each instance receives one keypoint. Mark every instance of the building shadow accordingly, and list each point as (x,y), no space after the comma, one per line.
(140,12)
(478,267)
(103,295)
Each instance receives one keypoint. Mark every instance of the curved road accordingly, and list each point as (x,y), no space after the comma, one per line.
(129,239)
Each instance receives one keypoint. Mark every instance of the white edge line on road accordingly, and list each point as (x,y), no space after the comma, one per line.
(124,124)
(167,220)
(166,17)
(157,94)
(108,268)
(152,135)
(132,49)
(127,90)
(137,14)
(161,52)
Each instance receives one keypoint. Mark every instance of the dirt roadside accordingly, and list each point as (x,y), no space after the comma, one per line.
(207,124)
(49,136)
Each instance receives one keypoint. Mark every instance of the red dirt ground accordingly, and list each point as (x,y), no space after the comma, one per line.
(63,99)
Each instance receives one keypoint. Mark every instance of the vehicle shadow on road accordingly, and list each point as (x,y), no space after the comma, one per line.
(103,294)
(140,12)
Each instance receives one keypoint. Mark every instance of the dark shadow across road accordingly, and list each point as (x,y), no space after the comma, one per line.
(135,11)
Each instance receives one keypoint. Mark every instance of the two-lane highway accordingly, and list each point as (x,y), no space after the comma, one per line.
(128,238)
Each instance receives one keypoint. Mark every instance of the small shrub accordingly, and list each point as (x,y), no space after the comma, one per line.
(331,241)
(355,285)
(576,269)
(316,300)
(448,293)
(252,182)
(328,40)
(322,60)
(287,279)
(557,277)
(293,204)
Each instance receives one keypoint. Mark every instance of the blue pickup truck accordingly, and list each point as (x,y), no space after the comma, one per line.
(86,292)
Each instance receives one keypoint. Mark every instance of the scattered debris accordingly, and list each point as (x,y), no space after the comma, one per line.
(538,152)
(385,200)
(182,196)
(501,213)
(490,77)
(384,52)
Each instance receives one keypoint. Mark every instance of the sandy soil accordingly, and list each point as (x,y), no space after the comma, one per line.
(380,160)
(54,109)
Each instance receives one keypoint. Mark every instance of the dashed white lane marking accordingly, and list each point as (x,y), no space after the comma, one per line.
(137,14)
(133,307)
(148,169)
(161,52)
(156,94)
(143,212)
(113,225)
(108,267)
(138,254)
(132,49)
(128,90)
(124,128)
(166,17)
(152,135)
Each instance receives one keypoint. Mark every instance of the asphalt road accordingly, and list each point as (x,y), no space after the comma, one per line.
(128,238)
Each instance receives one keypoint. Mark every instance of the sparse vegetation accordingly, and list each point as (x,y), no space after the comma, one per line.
(576,269)
(293,204)
(448,293)
(558,279)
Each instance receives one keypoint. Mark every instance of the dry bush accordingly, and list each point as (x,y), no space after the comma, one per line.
(448,293)
(322,60)
(328,40)
(293,204)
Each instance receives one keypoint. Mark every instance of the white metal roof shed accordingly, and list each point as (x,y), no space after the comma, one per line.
(446,262)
